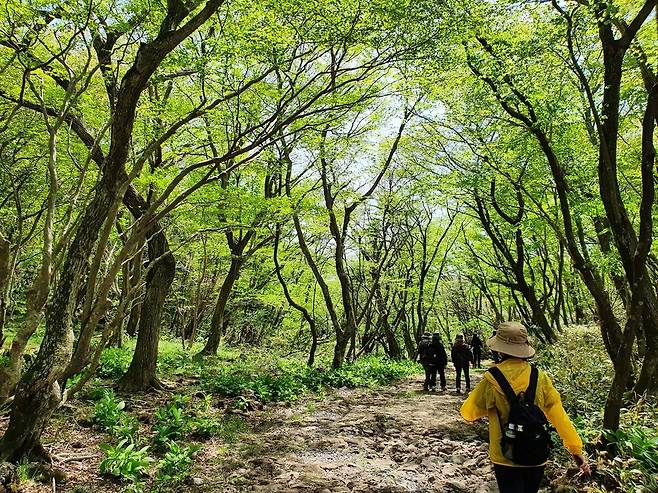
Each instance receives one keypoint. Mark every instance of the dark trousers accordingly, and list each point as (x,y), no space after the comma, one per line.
(467,377)
(442,376)
(430,376)
(518,479)
(477,355)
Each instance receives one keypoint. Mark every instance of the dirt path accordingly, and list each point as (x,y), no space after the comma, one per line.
(392,440)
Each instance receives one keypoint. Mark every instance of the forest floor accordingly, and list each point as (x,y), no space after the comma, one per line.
(391,439)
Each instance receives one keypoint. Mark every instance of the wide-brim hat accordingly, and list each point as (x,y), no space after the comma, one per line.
(511,338)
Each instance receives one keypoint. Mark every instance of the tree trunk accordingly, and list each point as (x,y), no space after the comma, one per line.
(622,367)
(218,316)
(648,379)
(314,346)
(141,374)
(394,350)
(300,308)
(10,374)
(136,308)
(409,343)
(340,348)
(5,270)
(38,393)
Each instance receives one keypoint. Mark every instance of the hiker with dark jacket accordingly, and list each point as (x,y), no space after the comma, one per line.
(476,346)
(440,360)
(520,400)
(462,357)
(426,358)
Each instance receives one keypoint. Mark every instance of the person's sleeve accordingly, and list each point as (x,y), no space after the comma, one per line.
(556,414)
(475,406)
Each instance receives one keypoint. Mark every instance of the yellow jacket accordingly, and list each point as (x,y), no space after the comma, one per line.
(488,397)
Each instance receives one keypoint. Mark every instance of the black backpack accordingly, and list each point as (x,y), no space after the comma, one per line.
(426,351)
(526,436)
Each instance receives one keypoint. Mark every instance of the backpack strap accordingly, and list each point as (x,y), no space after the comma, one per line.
(531,391)
(504,384)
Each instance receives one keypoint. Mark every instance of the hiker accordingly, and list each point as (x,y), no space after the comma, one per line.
(440,360)
(426,358)
(519,398)
(476,346)
(462,357)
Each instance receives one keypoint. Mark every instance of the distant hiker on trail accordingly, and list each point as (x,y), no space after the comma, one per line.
(426,358)
(476,346)
(462,357)
(440,360)
(520,399)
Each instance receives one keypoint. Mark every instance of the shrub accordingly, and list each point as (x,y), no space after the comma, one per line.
(583,382)
(637,461)
(176,464)
(171,424)
(178,363)
(113,363)
(94,392)
(125,461)
(108,410)
(109,414)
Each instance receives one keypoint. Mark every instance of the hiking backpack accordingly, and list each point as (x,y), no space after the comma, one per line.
(526,438)
(426,351)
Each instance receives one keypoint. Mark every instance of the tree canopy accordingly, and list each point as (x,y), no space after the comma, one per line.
(331,178)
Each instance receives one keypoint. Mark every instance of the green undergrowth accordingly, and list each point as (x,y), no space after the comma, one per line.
(285,380)
(245,374)
(582,372)
(159,455)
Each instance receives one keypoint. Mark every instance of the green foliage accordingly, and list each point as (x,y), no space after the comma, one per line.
(370,372)
(114,362)
(24,471)
(184,417)
(583,382)
(176,464)
(94,392)
(81,488)
(637,461)
(109,414)
(287,380)
(172,422)
(126,461)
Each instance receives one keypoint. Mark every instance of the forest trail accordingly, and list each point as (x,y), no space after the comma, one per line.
(394,439)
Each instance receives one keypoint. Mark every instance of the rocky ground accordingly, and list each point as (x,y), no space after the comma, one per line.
(395,439)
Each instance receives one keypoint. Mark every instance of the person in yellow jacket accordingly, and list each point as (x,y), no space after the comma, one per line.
(488,400)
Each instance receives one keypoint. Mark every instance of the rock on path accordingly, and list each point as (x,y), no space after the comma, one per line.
(391,440)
